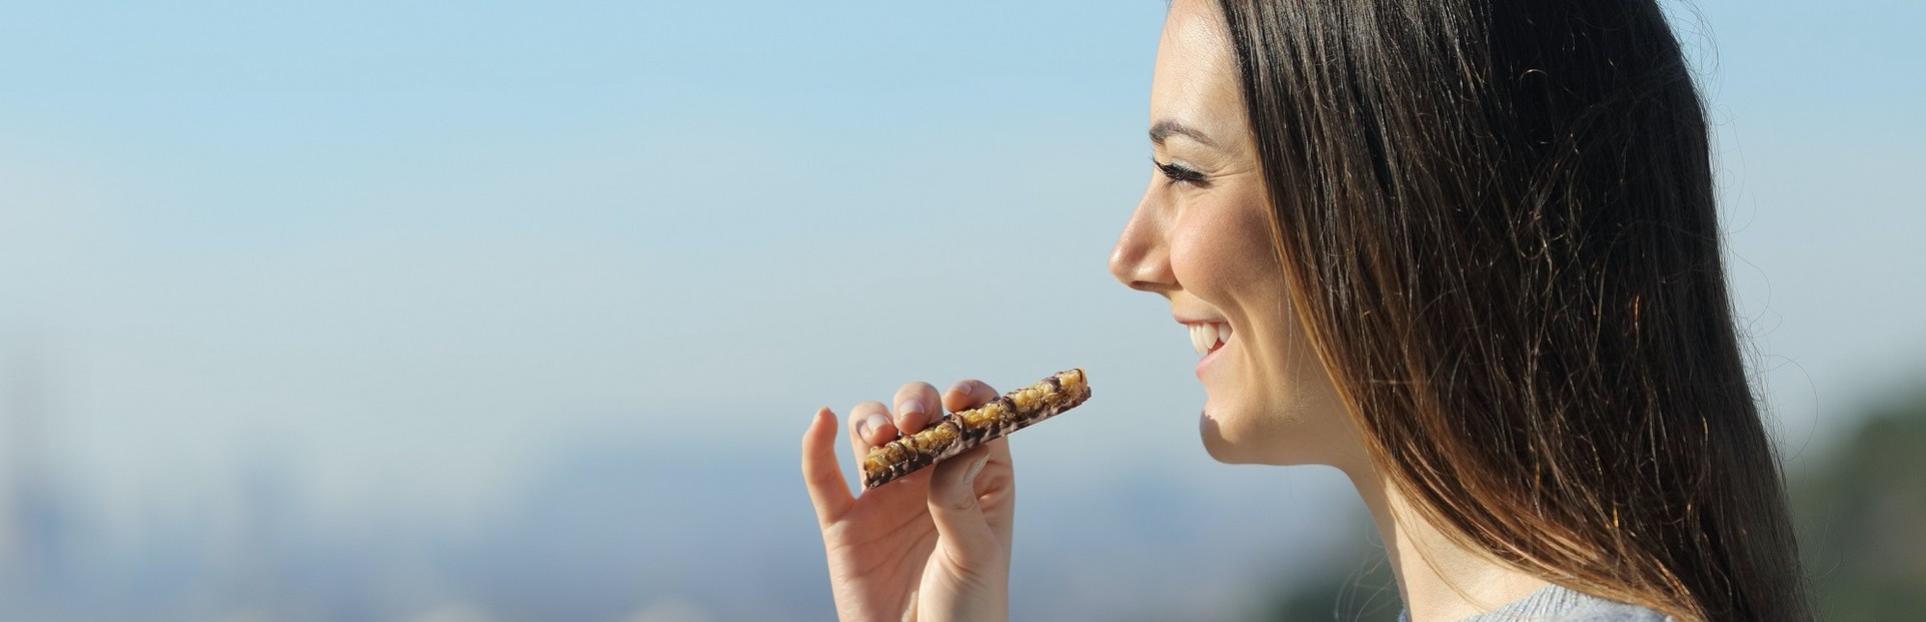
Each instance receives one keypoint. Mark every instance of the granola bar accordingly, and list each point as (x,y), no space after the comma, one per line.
(966,429)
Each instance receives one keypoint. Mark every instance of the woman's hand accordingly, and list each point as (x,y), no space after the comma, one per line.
(932,545)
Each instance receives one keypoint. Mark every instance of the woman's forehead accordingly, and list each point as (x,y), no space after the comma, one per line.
(1194,33)
(1194,81)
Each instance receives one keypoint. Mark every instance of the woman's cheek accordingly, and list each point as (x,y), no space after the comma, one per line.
(1187,262)
(1216,250)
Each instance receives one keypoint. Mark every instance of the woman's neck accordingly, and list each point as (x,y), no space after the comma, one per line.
(1438,580)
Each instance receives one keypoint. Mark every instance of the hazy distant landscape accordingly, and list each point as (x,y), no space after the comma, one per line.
(633,531)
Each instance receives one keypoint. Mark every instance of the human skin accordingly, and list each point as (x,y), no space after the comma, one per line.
(938,547)
(931,545)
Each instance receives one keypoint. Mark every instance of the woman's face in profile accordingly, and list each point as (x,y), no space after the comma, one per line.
(1200,237)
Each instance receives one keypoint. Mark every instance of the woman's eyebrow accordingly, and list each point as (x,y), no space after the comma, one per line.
(1167,127)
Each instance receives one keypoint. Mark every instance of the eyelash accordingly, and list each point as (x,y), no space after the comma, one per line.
(1178,173)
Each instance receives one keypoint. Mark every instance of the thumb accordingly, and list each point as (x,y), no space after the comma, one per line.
(953,507)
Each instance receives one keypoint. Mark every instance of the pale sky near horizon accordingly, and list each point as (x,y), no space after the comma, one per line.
(404,250)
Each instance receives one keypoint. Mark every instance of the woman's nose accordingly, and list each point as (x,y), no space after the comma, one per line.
(1141,258)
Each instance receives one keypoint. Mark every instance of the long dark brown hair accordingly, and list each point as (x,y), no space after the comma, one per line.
(1496,219)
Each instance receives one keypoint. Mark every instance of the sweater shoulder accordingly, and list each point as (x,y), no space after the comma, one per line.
(1561,604)
(1557,603)
(1614,612)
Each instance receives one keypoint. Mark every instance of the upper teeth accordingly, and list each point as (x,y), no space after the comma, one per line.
(1206,335)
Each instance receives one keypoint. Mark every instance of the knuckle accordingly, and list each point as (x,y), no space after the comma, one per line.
(963,503)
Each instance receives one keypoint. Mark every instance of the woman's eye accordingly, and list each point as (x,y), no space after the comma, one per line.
(1178,173)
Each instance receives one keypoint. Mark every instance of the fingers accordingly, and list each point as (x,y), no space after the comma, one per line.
(917,404)
(959,520)
(967,394)
(869,426)
(827,490)
(971,393)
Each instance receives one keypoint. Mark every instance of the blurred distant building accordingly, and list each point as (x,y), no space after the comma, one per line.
(31,536)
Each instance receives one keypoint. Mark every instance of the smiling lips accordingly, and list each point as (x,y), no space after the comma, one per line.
(1207,337)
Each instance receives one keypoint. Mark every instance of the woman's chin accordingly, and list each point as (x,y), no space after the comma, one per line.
(1230,440)
(1220,447)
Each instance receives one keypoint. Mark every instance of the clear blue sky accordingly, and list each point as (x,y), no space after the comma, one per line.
(405,249)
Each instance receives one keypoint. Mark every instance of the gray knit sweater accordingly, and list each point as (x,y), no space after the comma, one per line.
(1554,603)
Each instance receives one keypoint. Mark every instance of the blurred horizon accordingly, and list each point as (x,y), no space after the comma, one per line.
(502,312)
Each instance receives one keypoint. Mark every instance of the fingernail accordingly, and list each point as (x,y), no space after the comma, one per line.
(872,423)
(911,406)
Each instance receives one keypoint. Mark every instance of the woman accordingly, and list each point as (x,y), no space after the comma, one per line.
(1466,252)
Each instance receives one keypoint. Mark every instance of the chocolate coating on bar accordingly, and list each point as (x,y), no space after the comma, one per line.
(963,430)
